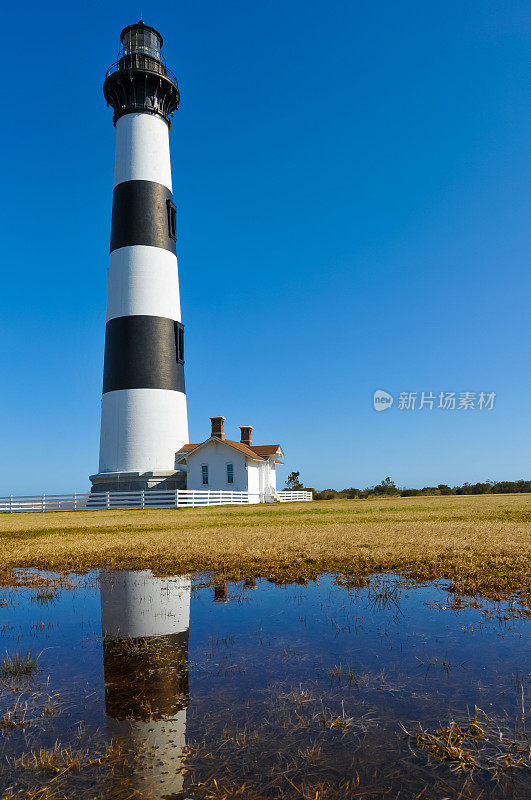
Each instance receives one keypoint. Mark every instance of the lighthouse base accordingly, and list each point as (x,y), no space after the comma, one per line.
(138,481)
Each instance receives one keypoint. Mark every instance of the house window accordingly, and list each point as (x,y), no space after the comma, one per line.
(178,330)
(172,220)
(230,473)
(204,473)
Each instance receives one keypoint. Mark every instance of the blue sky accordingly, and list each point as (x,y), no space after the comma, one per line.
(352,182)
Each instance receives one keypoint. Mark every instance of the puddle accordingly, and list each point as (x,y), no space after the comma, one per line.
(167,688)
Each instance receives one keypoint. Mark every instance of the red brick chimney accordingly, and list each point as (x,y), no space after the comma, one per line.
(245,438)
(218,424)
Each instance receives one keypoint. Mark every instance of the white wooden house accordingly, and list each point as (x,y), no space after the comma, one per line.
(221,464)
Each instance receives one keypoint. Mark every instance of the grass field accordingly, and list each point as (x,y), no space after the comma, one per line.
(479,543)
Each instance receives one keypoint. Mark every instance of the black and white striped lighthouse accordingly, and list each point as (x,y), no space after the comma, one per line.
(143,410)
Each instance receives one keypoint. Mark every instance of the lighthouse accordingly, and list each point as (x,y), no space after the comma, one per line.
(143,409)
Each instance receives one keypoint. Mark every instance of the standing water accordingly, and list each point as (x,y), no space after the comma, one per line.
(122,685)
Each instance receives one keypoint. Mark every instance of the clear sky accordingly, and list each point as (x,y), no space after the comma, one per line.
(353,190)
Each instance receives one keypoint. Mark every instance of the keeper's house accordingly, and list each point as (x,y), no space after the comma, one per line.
(220,464)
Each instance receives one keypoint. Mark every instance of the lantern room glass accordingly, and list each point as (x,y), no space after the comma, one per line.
(141,40)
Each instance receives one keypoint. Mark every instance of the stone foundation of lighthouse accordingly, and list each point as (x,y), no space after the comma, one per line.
(143,410)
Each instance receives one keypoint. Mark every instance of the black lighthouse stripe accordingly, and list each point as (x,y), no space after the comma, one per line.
(143,352)
(141,214)
(125,670)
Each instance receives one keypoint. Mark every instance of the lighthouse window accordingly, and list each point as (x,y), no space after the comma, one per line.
(141,40)
(230,473)
(172,220)
(179,342)
(204,473)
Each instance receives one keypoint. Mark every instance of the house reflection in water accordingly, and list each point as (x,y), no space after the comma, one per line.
(145,623)
(220,593)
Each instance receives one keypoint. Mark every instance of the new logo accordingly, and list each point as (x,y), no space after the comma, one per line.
(381,400)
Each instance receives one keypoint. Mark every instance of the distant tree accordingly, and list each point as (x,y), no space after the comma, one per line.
(387,486)
(504,487)
(293,482)
(326,494)
(349,494)
(444,489)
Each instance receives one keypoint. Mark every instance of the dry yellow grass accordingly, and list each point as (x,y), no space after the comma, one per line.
(480,543)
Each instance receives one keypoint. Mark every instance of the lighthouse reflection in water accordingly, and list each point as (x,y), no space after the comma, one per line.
(145,623)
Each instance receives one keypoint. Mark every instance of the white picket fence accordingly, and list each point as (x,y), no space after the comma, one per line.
(289,497)
(178,498)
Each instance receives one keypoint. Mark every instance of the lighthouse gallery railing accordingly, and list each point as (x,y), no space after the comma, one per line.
(141,62)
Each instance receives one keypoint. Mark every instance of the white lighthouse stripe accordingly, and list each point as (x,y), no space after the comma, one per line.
(143,280)
(162,743)
(135,604)
(142,429)
(142,150)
